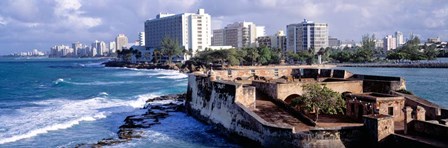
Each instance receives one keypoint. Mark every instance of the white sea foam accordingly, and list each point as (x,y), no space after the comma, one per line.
(160,73)
(94,83)
(60,80)
(98,64)
(56,114)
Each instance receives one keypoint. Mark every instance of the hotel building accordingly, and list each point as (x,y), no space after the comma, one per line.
(190,30)
(307,35)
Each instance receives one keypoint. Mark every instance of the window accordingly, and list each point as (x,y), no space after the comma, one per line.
(276,72)
(252,72)
(390,111)
(229,73)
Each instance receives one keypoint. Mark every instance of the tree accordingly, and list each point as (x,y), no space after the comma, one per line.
(430,52)
(252,55)
(342,56)
(322,99)
(265,56)
(170,48)
(157,54)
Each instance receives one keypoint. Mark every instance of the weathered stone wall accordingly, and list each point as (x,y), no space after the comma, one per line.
(267,88)
(443,113)
(232,74)
(227,105)
(432,110)
(333,137)
(429,129)
(398,141)
(285,90)
(378,126)
(247,96)
(222,108)
(381,84)
(397,105)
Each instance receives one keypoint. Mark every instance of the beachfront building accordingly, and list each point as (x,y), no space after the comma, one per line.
(218,37)
(389,43)
(334,42)
(400,39)
(112,47)
(61,51)
(276,41)
(307,35)
(121,41)
(192,31)
(141,38)
(238,35)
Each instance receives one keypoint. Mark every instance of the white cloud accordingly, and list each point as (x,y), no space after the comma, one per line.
(71,15)
(3,22)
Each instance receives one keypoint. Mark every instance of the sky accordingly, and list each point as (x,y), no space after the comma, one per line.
(41,24)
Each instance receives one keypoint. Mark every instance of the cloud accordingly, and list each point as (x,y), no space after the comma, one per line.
(3,22)
(69,11)
(28,24)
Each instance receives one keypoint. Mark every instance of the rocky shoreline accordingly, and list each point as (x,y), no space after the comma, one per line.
(134,125)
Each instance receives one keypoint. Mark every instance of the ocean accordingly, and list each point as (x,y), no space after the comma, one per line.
(64,102)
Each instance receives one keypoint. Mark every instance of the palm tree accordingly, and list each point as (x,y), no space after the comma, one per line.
(170,48)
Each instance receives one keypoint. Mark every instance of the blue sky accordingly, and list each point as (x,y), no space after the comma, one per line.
(29,24)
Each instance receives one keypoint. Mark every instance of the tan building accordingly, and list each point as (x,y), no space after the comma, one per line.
(121,41)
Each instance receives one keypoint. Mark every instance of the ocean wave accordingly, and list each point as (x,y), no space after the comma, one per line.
(97,64)
(161,73)
(56,114)
(173,77)
(63,81)
(49,128)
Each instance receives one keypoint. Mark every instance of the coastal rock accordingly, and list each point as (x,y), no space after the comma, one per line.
(134,125)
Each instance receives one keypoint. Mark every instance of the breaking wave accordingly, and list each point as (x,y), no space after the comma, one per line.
(56,114)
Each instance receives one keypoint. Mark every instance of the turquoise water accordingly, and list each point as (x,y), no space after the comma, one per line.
(428,83)
(64,102)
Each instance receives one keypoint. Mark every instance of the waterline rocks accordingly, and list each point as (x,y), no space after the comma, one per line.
(134,126)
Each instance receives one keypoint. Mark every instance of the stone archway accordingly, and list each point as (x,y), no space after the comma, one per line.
(288,99)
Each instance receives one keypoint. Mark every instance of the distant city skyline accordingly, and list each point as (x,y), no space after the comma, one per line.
(33,24)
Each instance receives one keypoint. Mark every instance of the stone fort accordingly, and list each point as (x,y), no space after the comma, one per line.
(252,104)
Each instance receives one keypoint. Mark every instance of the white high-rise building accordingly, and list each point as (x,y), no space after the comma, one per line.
(112,47)
(121,41)
(400,39)
(279,41)
(190,30)
(390,43)
(76,47)
(141,39)
(239,35)
(261,31)
(307,35)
